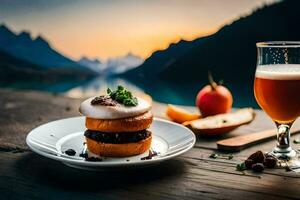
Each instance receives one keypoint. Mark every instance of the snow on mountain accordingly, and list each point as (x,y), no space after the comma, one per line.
(93,64)
(121,64)
(112,66)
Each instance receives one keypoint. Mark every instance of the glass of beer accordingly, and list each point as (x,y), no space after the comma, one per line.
(277,91)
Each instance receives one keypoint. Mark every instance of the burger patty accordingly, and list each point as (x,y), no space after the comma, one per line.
(117,138)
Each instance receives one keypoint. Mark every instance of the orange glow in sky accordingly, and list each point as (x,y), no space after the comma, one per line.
(120,43)
(103,29)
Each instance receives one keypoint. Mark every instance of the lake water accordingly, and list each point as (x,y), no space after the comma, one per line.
(182,94)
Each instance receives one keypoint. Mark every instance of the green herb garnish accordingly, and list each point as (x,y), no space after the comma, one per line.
(241,166)
(215,155)
(122,96)
(297,141)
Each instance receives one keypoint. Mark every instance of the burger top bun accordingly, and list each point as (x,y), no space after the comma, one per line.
(113,112)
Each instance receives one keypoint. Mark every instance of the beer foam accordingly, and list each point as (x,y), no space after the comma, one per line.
(279,71)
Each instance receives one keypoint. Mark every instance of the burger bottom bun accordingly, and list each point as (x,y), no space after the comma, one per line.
(118,150)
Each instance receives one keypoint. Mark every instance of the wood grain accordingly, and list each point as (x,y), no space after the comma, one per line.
(25,175)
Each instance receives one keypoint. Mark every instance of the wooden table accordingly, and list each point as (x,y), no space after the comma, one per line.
(26,175)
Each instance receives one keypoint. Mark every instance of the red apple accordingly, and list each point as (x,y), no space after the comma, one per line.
(214,99)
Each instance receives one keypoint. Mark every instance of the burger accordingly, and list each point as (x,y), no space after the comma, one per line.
(117,124)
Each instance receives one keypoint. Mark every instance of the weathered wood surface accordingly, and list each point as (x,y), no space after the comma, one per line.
(25,175)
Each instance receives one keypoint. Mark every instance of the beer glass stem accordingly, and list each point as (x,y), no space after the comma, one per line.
(283,136)
(283,148)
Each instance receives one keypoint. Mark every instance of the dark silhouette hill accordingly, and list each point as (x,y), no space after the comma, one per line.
(162,59)
(37,51)
(14,69)
(230,53)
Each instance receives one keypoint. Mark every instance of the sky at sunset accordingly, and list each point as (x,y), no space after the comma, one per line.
(110,28)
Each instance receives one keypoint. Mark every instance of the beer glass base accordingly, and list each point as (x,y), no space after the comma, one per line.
(284,154)
(287,158)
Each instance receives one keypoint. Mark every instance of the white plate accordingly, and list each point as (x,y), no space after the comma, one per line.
(54,138)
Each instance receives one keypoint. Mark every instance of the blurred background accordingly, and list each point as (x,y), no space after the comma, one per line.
(162,47)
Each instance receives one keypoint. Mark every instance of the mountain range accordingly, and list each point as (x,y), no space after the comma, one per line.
(23,55)
(112,66)
(230,53)
(25,58)
(37,51)
(93,64)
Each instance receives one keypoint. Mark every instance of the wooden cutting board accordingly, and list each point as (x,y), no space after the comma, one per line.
(239,143)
